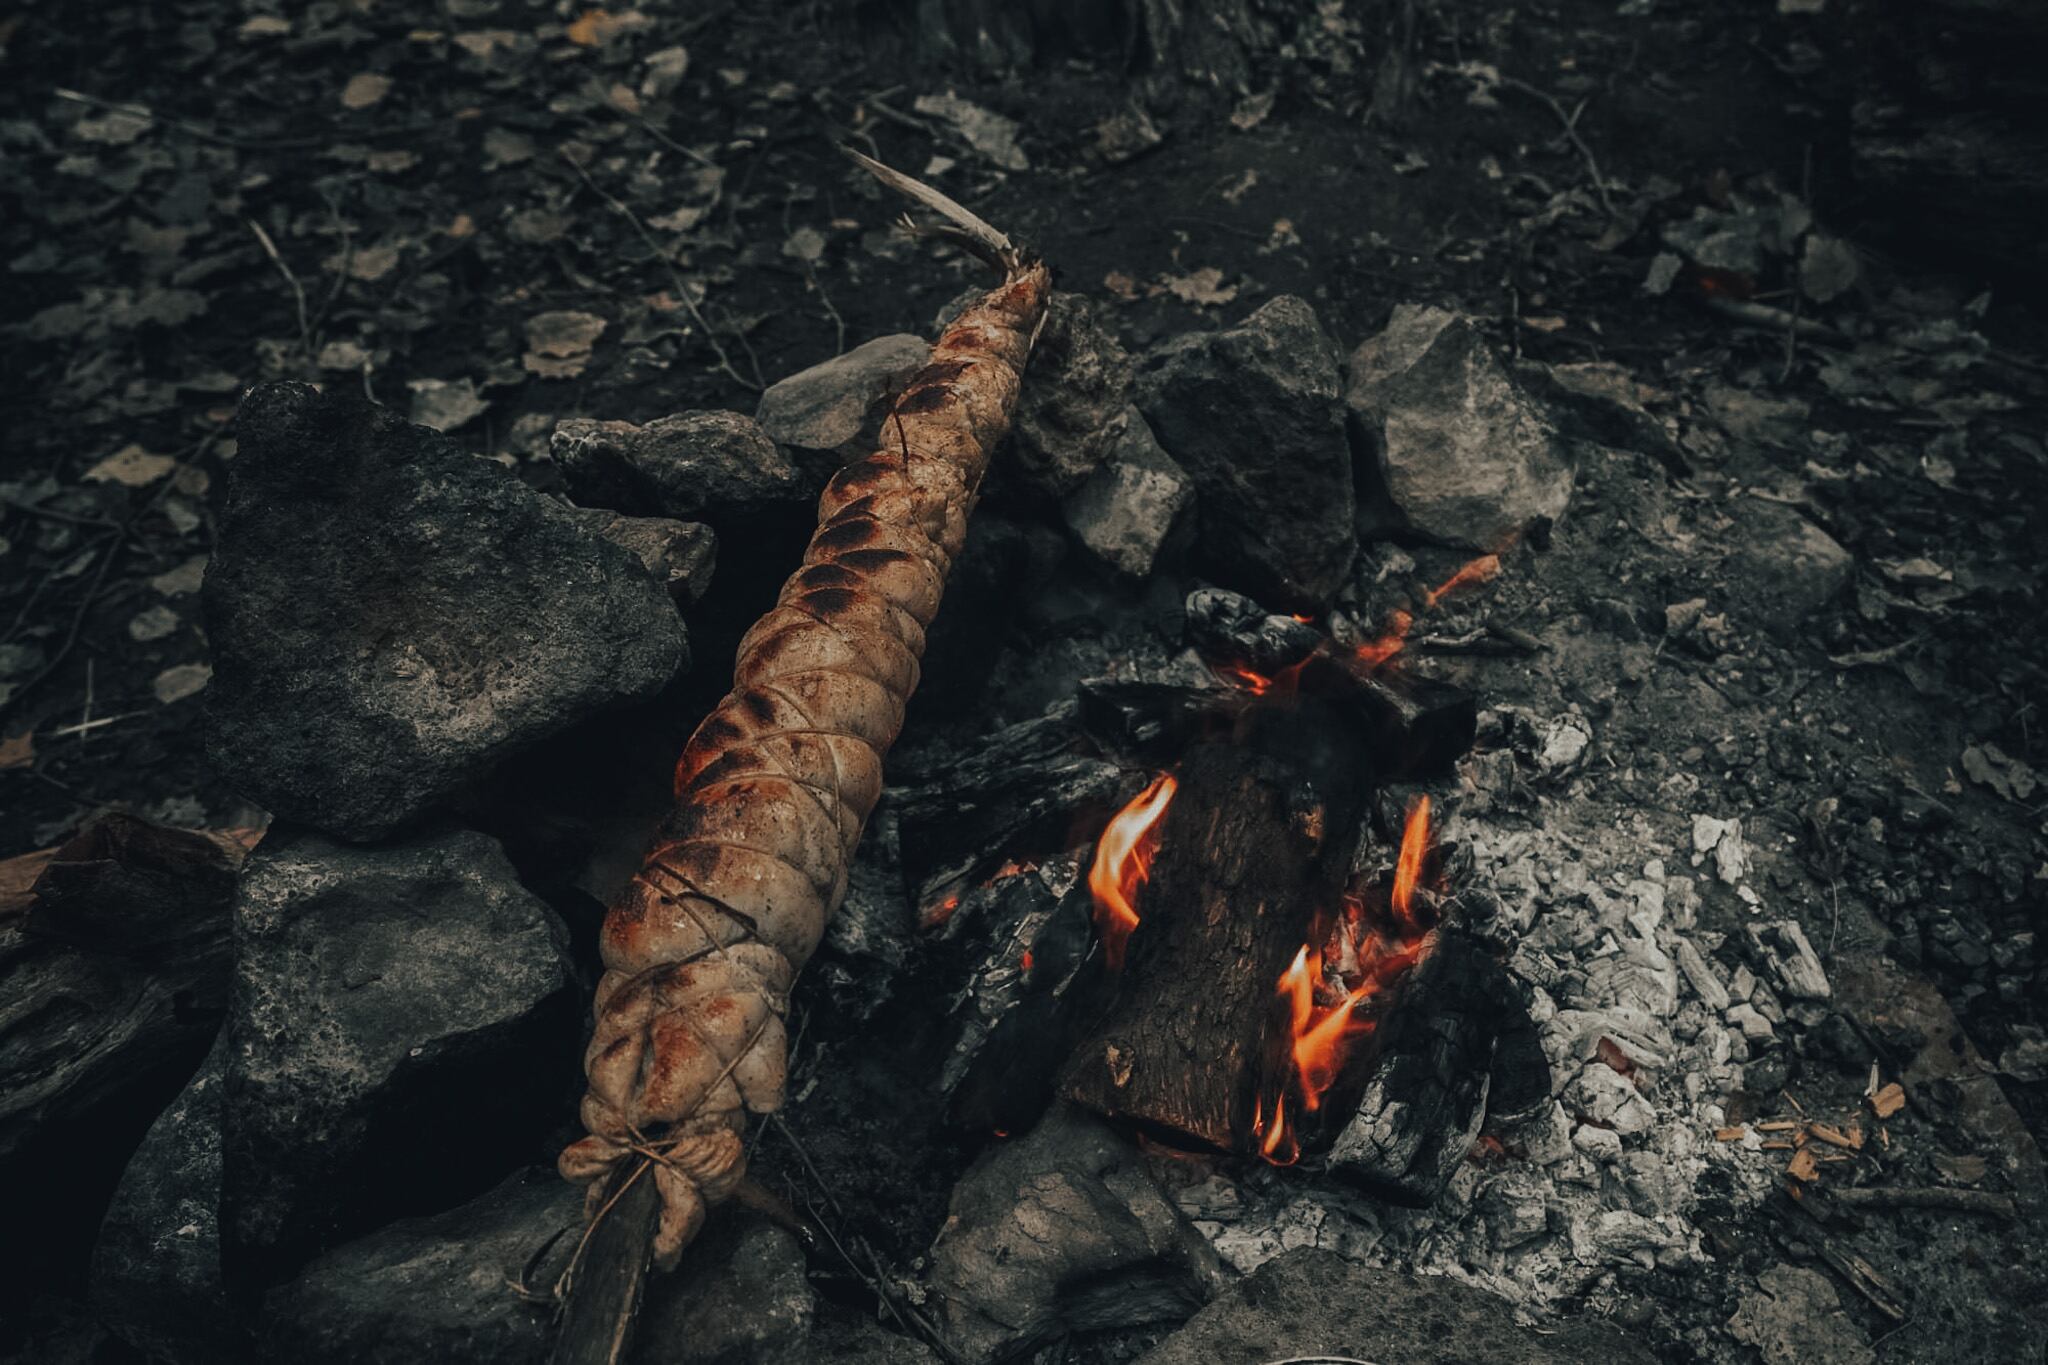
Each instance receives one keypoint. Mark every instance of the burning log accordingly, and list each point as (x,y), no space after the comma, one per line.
(772,793)
(1427,1072)
(1256,841)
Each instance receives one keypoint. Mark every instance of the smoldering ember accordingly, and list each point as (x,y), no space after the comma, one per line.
(970,683)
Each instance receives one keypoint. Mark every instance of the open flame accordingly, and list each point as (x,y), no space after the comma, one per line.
(1322,1016)
(1414,848)
(1123,859)
(1394,636)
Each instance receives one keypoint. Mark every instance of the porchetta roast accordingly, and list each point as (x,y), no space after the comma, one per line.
(773,789)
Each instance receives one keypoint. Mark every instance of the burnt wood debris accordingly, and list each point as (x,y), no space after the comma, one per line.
(1398,721)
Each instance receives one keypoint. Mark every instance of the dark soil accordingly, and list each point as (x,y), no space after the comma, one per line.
(252,224)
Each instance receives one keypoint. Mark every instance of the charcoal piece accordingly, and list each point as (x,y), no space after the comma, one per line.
(1253,414)
(1230,627)
(436,1288)
(1155,721)
(868,940)
(1021,950)
(1022,790)
(1311,1304)
(156,1277)
(391,617)
(1465,456)
(718,467)
(401,1018)
(1068,416)
(116,979)
(1062,1230)
(1136,511)
(1418,726)
(1427,1066)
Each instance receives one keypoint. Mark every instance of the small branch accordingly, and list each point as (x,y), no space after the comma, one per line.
(682,289)
(1571,131)
(1929,1197)
(602,1288)
(298,290)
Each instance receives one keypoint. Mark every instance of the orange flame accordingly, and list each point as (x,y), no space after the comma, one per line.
(1414,847)
(1123,859)
(1320,1036)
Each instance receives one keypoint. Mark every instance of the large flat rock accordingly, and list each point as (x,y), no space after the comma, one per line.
(391,617)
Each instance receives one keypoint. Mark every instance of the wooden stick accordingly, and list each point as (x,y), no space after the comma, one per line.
(603,1289)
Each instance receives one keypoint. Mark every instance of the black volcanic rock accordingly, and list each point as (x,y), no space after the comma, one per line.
(401,1018)
(390,617)
(1254,414)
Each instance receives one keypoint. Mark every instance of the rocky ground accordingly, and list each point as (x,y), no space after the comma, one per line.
(1763,649)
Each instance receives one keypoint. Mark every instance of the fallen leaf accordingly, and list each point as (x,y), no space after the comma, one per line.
(558,344)
(1253,110)
(485,41)
(180,681)
(596,26)
(183,580)
(364,89)
(263,26)
(503,147)
(805,244)
(1964,1170)
(462,226)
(131,466)
(445,404)
(1827,268)
(990,134)
(1121,285)
(18,879)
(18,751)
(1990,766)
(1203,288)
(391,162)
(665,69)
(116,128)
(342,355)
(152,623)
(372,263)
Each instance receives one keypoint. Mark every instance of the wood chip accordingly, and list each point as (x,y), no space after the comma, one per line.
(1804,1165)
(1834,1136)
(1734,1134)
(1777,1145)
(1777,1126)
(1889,1100)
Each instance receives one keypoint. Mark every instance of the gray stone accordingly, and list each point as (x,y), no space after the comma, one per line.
(156,1269)
(831,413)
(1796,1318)
(739,1297)
(401,1017)
(1311,1303)
(681,555)
(1136,508)
(1782,568)
(1070,412)
(1062,1230)
(1253,414)
(391,617)
(436,1288)
(696,466)
(842,1337)
(1463,454)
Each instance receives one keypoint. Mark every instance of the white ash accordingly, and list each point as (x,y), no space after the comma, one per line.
(1608,1174)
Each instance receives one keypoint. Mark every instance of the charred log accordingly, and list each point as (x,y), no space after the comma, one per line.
(1427,1071)
(1257,841)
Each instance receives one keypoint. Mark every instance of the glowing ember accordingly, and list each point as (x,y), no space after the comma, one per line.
(1320,1036)
(1123,859)
(1373,653)
(1484,569)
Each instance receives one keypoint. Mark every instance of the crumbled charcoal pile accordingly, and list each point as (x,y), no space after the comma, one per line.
(1476,791)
